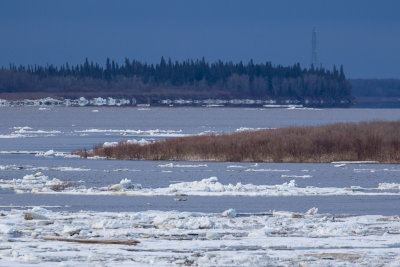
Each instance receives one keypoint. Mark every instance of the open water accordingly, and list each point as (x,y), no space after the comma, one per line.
(28,132)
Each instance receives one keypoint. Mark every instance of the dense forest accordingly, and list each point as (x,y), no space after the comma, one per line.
(196,79)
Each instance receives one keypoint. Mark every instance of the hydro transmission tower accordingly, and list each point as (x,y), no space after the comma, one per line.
(314,60)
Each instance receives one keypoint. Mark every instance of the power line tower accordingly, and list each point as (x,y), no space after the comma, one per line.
(314,60)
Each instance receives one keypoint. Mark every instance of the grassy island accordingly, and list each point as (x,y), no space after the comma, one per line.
(364,141)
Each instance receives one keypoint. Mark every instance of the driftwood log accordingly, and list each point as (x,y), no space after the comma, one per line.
(94,241)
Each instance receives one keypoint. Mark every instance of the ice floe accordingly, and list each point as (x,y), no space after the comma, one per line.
(141,142)
(296,176)
(38,183)
(48,153)
(339,165)
(12,135)
(392,186)
(229,213)
(265,170)
(155,132)
(372,170)
(355,162)
(26,131)
(236,167)
(250,168)
(62,169)
(22,152)
(123,170)
(41,184)
(172,165)
(29,130)
(33,168)
(51,153)
(246,129)
(46,238)
(108,144)
(312,211)
(96,157)
(8,167)
(125,184)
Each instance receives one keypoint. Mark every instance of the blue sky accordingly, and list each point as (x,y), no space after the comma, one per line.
(364,35)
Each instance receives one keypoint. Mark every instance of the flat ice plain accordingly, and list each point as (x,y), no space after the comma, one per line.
(59,210)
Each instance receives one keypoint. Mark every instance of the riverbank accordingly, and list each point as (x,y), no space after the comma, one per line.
(365,141)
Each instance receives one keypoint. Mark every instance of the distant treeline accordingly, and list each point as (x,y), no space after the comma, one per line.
(185,79)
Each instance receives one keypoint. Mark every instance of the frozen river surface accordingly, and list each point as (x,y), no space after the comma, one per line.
(206,213)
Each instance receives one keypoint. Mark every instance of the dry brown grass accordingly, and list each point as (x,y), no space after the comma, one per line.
(364,141)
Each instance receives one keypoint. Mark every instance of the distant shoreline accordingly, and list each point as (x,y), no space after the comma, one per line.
(168,102)
(377,141)
(48,101)
(366,93)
